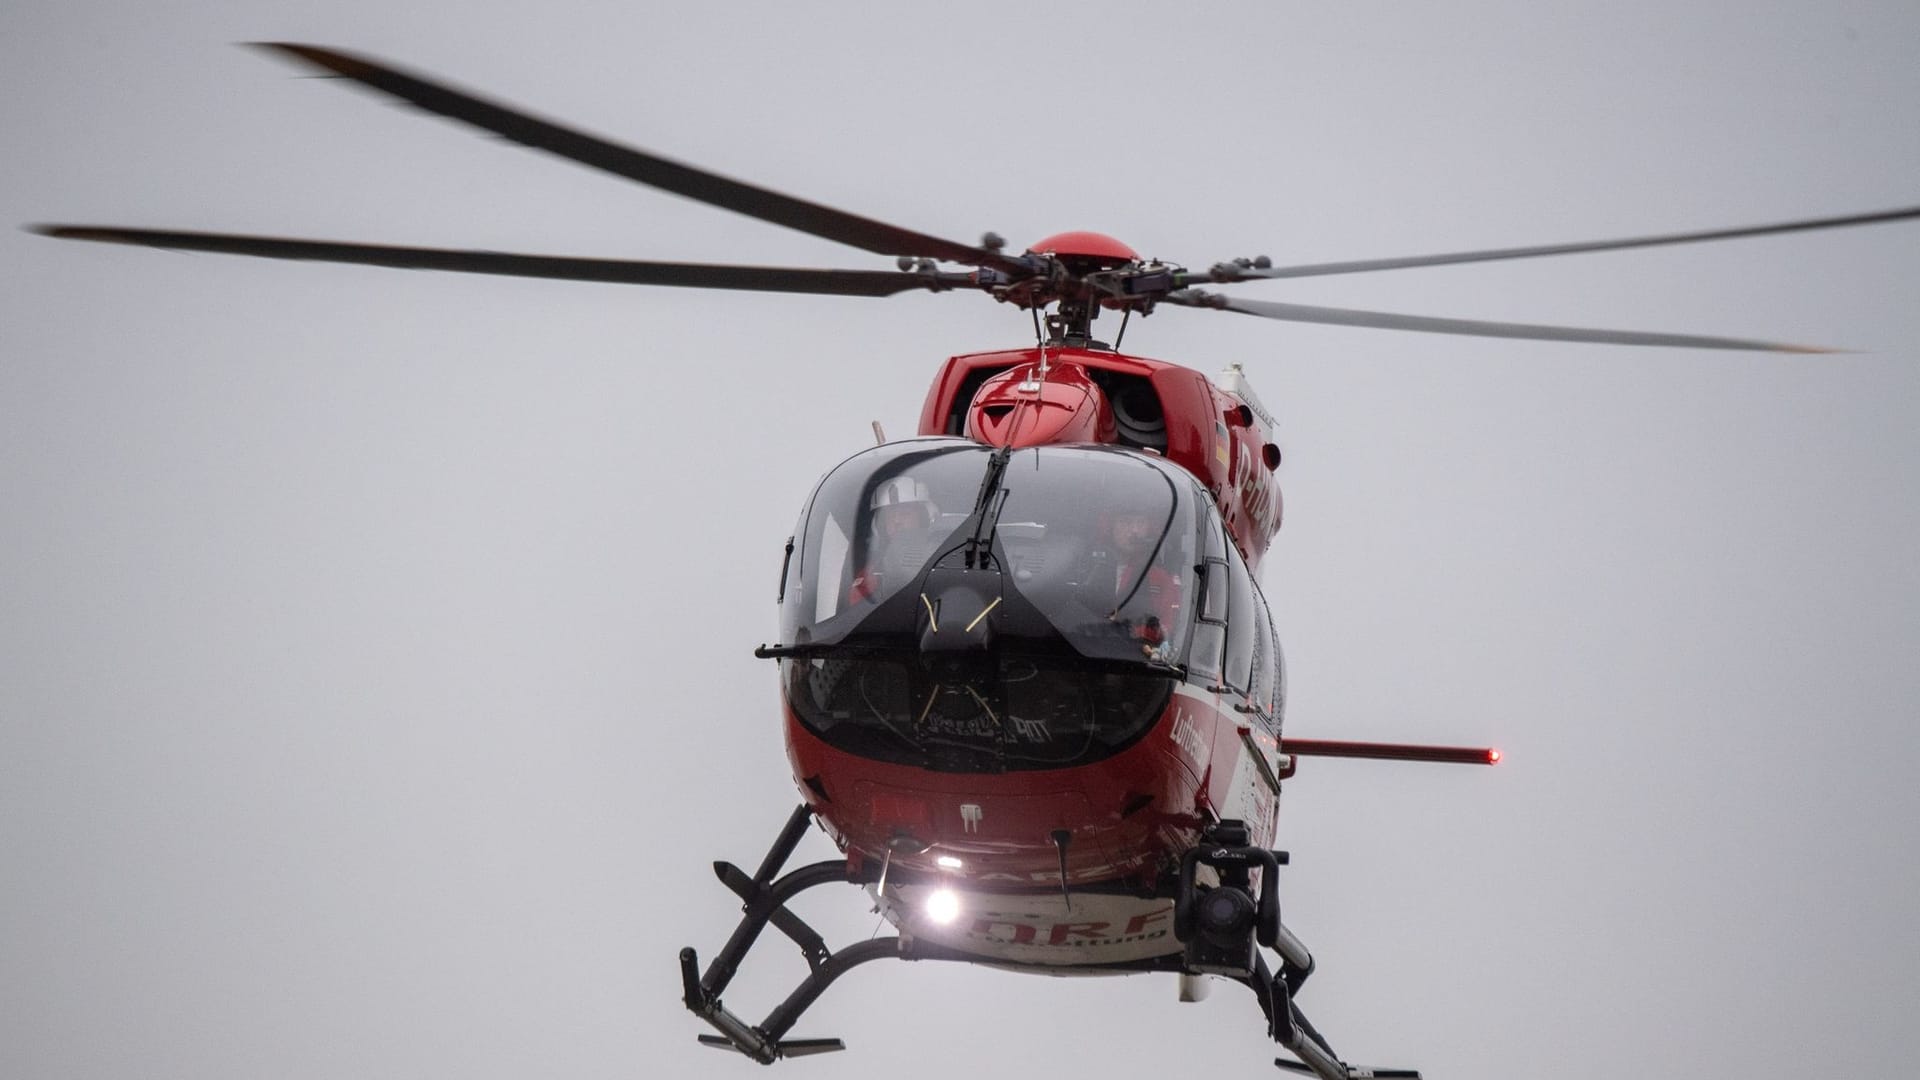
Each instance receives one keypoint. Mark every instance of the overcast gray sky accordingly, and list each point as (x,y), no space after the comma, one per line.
(375,675)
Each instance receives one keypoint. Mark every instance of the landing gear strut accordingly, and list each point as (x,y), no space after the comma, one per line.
(765,899)
(1222,926)
(766,896)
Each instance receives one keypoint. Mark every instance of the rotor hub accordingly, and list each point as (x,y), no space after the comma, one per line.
(1099,249)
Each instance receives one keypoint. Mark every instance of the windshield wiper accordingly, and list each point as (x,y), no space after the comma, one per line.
(987,506)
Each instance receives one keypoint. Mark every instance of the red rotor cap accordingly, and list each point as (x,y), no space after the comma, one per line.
(1086,245)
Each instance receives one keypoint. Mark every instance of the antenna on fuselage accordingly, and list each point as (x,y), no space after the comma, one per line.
(1061,838)
(1032,385)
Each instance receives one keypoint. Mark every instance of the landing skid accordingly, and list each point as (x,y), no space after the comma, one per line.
(765,898)
(1198,920)
(766,894)
(1291,1029)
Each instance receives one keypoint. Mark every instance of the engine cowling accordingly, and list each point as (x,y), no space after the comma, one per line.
(1023,407)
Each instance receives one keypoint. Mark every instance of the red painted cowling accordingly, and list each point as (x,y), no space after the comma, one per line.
(1019,408)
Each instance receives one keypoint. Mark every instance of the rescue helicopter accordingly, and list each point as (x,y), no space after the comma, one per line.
(1030,685)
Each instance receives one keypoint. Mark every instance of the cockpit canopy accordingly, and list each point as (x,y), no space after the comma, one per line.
(1053,551)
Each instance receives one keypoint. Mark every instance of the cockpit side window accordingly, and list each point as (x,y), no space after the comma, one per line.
(1210,629)
(1244,614)
(1266,663)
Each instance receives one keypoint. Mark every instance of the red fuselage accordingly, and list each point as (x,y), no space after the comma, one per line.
(1119,819)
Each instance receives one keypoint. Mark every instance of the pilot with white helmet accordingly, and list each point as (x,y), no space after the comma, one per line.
(899,531)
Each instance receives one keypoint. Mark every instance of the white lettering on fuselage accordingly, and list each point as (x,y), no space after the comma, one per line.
(1186,735)
(995,929)
(1256,488)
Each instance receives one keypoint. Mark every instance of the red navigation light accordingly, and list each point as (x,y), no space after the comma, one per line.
(1493,757)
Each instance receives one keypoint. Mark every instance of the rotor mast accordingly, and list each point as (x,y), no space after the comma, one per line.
(1087,266)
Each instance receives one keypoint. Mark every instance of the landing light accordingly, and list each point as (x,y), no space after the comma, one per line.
(948,862)
(943,906)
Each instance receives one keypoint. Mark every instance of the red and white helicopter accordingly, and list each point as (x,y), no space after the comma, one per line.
(1031,687)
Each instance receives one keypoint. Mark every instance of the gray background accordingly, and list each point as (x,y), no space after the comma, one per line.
(374,647)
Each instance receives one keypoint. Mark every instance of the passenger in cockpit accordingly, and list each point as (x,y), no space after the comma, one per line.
(1141,584)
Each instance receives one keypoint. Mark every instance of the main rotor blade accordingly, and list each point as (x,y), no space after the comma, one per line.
(618,271)
(1472,327)
(1226,272)
(649,169)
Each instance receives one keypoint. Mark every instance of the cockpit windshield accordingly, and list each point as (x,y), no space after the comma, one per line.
(1100,545)
(956,607)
